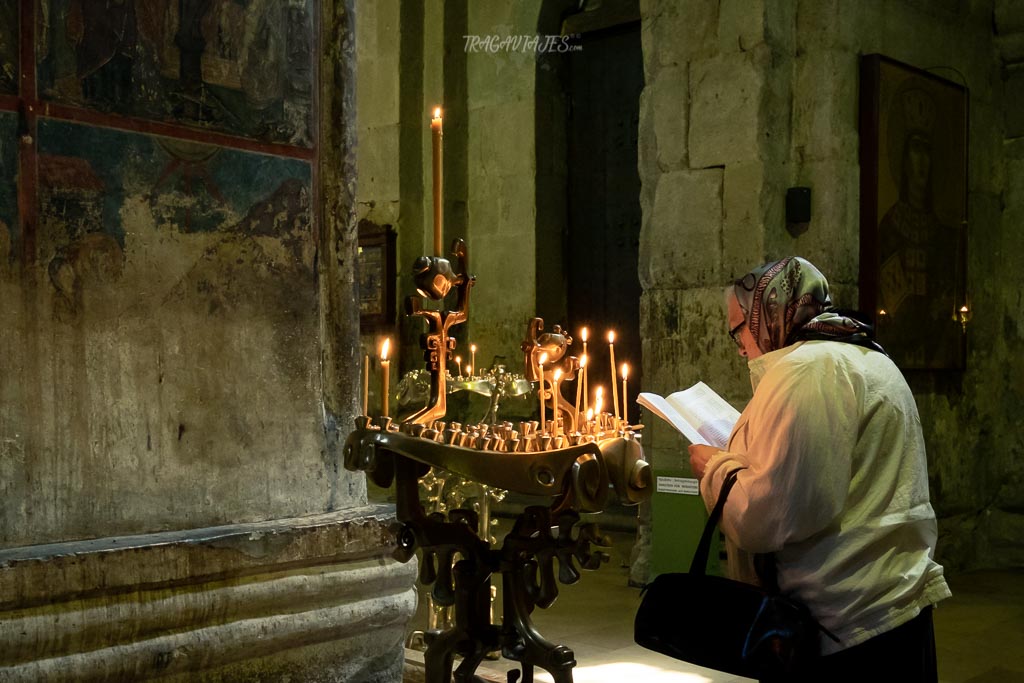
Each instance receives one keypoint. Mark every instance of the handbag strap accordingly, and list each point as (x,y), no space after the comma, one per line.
(700,557)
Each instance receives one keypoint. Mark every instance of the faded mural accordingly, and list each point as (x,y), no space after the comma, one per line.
(8,188)
(8,47)
(242,67)
(97,186)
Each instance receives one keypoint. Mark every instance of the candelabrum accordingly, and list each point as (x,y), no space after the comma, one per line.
(574,465)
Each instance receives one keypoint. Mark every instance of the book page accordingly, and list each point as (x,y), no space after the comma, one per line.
(663,409)
(712,416)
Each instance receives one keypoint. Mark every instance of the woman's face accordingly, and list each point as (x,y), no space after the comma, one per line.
(739,331)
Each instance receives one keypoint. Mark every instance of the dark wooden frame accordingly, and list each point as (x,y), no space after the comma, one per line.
(376,273)
(913,259)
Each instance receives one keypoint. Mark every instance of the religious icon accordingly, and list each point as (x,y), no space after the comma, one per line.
(913,216)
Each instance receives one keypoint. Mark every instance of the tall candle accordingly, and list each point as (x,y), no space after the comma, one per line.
(625,401)
(579,387)
(554,410)
(385,366)
(436,134)
(540,388)
(458,365)
(472,357)
(584,333)
(615,391)
(366,384)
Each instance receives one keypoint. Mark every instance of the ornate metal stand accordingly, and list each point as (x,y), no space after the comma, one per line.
(575,476)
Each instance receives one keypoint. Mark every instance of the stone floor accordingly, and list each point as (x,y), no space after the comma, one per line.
(979,632)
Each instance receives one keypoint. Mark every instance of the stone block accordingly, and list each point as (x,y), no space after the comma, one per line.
(832,241)
(1005,531)
(1008,16)
(647,151)
(377,158)
(987,147)
(726,123)
(741,24)
(675,31)
(1014,104)
(680,243)
(236,600)
(669,101)
(825,105)
(501,140)
(686,340)
(743,218)
(500,73)
(832,24)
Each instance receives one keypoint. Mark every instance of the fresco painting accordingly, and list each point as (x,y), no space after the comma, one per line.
(242,67)
(8,47)
(8,187)
(90,178)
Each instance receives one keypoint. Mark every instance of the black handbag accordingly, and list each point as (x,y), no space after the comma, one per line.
(723,624)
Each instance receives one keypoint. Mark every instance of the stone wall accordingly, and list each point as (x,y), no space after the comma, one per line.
(746,99)
(417,57)
(180,360)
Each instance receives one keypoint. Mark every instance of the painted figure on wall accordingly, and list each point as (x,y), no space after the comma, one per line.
(8,47)
(239,66)
(105,39)
(8,190)
(919,239)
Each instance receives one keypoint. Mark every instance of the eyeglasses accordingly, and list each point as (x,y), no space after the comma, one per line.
(734,334)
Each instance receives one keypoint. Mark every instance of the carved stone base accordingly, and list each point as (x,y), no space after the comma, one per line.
(304,599)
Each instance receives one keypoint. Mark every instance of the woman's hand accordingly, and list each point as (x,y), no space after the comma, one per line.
(699,456)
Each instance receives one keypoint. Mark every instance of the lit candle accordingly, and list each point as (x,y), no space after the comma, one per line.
(366,384)
(458,365)
(554,410)
(625,404)
(540,388)
(436,134)
(472,357)
(385,366)
(590,417)
(469,371)
(579,386)
(615,391)
(584,333)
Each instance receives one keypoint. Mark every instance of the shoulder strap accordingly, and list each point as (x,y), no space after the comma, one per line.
(700,557)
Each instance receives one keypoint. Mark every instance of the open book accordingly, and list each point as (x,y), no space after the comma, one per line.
(701,415)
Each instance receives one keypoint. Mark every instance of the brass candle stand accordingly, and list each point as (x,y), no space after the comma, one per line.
(574,468)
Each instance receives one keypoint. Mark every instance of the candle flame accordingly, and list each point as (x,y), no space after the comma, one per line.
(543,358)
(600,393)
(625,370)
(963,309)
(558,375)
(458,360)
(583,361)
(472,347)
(611,336)
(384,348)
(469,370)
(590,414)
(437,112)
(583,334)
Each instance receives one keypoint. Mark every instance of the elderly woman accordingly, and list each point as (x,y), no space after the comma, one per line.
(835,483)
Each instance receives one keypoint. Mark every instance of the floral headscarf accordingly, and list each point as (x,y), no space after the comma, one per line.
(787,301)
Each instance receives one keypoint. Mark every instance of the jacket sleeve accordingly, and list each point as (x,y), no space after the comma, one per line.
(801,428)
